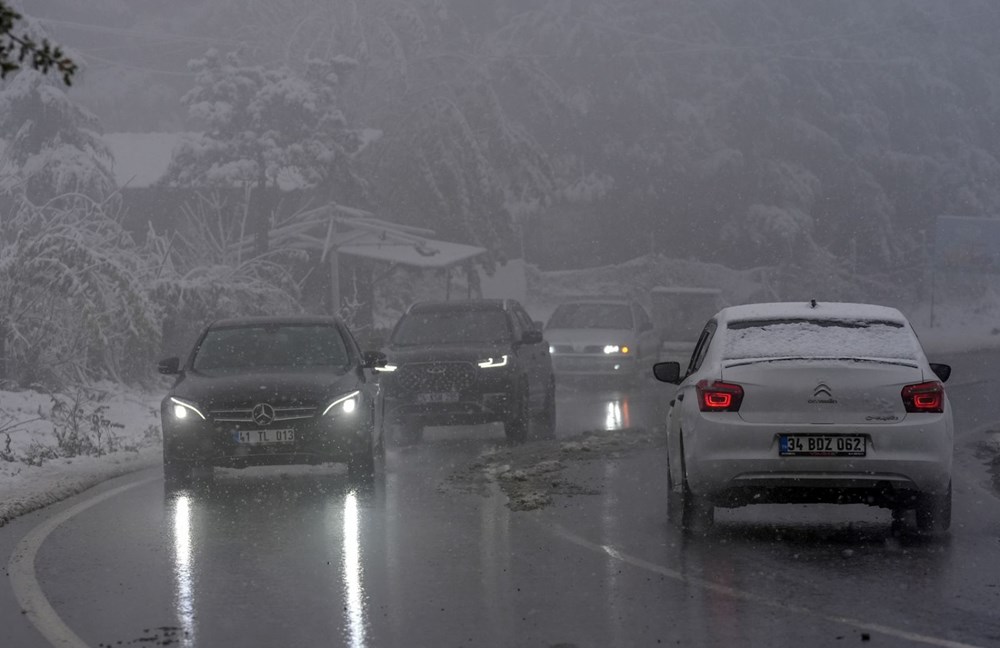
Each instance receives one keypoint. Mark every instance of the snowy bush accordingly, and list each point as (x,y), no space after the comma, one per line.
(73,306)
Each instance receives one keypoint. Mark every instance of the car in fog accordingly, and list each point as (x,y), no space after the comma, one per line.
(465,363)
(811,403)
(602,337)
(271,390)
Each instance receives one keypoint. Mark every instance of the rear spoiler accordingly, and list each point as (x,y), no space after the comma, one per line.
(751,361)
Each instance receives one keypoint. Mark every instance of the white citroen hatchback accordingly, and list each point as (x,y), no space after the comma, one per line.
(813,403)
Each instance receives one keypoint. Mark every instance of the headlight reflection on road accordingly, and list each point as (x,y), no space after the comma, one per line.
(353,592)
(616,415)
(183,571)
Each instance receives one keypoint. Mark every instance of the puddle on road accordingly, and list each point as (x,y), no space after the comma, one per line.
(530,475)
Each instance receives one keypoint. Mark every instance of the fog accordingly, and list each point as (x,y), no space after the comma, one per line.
(221,159)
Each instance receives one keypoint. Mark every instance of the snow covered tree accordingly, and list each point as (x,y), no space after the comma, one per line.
(260,124)
(53,145)
(73,303)
(16,47)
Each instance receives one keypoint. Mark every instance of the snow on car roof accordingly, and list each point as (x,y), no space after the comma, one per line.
(804,310)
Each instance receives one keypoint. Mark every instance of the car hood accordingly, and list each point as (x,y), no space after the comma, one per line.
(445,353)
(589,337)
(311,387)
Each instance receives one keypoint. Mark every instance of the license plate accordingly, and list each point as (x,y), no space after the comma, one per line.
(821,445)
(256,437)
(446,397)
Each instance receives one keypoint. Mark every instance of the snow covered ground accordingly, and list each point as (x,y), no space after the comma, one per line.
(35,469)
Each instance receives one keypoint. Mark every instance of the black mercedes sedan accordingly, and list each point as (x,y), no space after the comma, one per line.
(465,363)
(271,390)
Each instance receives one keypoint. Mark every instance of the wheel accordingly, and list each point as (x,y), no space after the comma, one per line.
(934,511)
(546,420)
(690,512)
(410,432)
(361,466)
(516,425)
(177,473)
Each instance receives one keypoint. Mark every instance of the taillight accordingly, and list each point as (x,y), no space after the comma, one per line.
(924,397)
(719,396)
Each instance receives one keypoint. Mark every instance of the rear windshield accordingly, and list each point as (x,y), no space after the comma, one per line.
(591,316)
(271,346)
(452,326)
(802,338)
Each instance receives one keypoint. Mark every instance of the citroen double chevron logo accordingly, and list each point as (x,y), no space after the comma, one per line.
(823,394)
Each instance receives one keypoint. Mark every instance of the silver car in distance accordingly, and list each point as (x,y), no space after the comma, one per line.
(809,403)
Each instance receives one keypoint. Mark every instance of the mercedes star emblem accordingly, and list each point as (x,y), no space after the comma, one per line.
(263,414)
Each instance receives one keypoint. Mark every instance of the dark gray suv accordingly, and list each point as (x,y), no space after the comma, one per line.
(465,363)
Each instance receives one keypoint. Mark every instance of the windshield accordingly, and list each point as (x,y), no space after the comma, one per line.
(805,338)
(271,347)
(452,326)
(591,316)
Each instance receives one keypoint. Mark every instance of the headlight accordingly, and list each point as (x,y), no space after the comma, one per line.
(182,409)
(614,348)
(387,368)
(489,363)
(345,404)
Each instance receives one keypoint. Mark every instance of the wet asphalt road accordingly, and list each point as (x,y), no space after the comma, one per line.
(268,558)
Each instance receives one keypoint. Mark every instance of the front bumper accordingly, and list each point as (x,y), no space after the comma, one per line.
(593,364)
(736,463)
(317,440)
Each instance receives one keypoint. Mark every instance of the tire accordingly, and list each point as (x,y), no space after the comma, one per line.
(361,466)
(934,511)
(410,433)
(516,424)
(177,473)
(546,420)
(692,513)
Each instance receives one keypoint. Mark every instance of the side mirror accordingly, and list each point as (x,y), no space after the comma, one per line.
(668,372)
(372,359)
(942,371)
(532,336)
(169,366)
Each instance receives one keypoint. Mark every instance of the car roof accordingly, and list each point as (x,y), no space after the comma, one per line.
(276,320)
(811,311)
(459,305)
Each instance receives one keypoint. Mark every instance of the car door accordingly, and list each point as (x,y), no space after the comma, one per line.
(685,406)
(646,336)
(534,355)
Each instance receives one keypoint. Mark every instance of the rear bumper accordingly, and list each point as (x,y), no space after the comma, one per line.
(739,463)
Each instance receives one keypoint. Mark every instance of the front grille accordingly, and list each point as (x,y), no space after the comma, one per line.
(437,377)
(245,415)
(569,348)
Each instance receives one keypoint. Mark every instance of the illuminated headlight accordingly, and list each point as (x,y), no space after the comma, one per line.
(345,404)
(490,363)
(387,368)
(614,348)
(552,349)
(182,409)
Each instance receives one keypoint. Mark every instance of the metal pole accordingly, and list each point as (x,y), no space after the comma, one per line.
(334,260)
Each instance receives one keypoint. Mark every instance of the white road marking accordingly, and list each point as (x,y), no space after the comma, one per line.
(732,592)
(24,580)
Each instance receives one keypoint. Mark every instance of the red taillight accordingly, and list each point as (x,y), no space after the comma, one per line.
(719,396)
(924,397)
